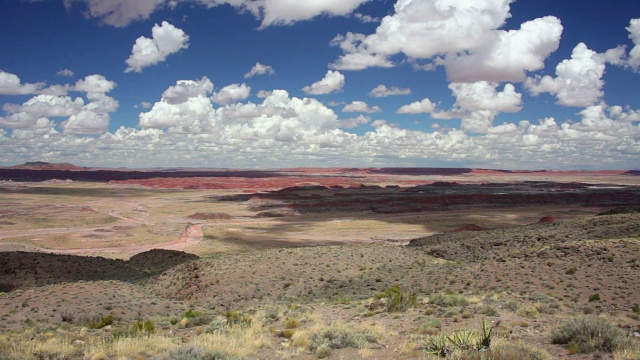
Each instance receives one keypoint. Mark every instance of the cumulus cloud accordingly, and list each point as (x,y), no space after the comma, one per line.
(634,35)
(366,18)
(94,84)
(86,122)
(285,12)
(165,40)
(10,84)
(89,116)
(360,106)
(231,94)
(354,122)
(333,81)
(418,107)
(383,91)
(118,13)
(483,95)
(462,35)
(509,54)
(185,89)
(65,72)
(357,55)
(259,69)
(578,80)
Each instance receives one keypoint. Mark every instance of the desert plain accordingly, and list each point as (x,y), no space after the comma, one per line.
(384,263)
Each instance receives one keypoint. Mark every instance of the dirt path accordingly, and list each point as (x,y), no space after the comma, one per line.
(192,235)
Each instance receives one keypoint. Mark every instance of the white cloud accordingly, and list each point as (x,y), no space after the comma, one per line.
(383,91)
(285,12)
(185,89)
(65,72)
(333,81)
(231,94)
(49,105)
(165,40)
(146,105)
(118,13)
(259,69)
(634,35)
(354,122)
(358,56)
(462,35)
(194,115)
(360,106)
(578,80)
(418,107)
(366,18)
(483,95)
(82,117)
(94,84)
(86,122)
(10,84)
(57,90)
(509,54)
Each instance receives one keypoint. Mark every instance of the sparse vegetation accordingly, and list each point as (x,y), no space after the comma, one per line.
(295,300)
(588,334)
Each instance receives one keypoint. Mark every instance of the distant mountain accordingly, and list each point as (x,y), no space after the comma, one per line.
(41,165)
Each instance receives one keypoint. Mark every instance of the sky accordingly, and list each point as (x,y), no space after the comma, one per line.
(503,84)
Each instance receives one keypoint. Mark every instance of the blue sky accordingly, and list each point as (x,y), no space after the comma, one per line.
(526,84)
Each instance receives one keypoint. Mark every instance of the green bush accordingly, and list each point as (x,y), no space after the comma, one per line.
(238,318)
(340,337)
(490,310)
(530,312)
(98,321)
(398,300)
(505,351)
(448,300)
(588,334)
(461,340)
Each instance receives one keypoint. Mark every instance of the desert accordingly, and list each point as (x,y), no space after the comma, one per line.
(309,263)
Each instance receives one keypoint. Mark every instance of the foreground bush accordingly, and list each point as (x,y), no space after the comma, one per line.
(588,334)
(323,338)
(505,351)
(398,300)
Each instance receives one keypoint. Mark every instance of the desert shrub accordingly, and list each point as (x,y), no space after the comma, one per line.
(448,300)
(460,340)
(139,327)
(505,351)
(397,300)
(594,297)
(530,312)
(190,314)
(430,327)
(588,334)
(291,323)
(571,271)
(218,326)
(99,321)
(323,351)
(187,322)
(288,333)
(451,313)
(336,336)
(194,352)
(238,318)
(490,310)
